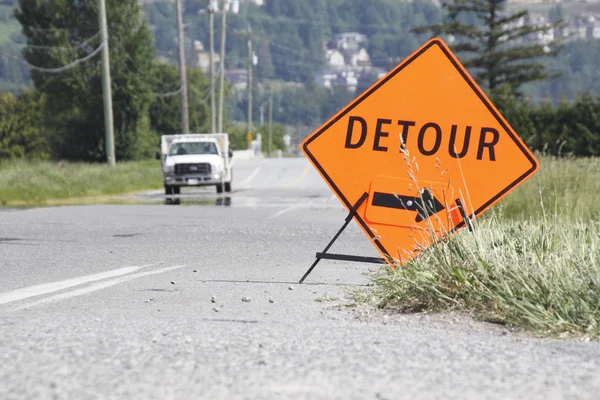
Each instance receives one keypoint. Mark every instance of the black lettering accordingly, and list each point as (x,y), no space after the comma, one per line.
(405,125)
(438,139)
(363,132)
(489,145)
(465,146)
(379,134)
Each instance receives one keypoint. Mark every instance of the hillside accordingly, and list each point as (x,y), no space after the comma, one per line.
(326,49)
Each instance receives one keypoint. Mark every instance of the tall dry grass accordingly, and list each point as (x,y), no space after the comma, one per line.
(532,262)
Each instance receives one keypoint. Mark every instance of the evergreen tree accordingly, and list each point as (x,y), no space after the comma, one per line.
(56,32)
(497,40)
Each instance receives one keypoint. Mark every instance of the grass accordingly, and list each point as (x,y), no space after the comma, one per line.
(46,183)
(533,262)
(562,187)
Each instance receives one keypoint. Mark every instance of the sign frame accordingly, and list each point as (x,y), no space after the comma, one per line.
(465,222)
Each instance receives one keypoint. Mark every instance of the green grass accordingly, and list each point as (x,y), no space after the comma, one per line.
(562,187)
(46,183)
(533,262)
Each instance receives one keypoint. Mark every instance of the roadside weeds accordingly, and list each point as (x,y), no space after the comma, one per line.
(30,184)
(543,276)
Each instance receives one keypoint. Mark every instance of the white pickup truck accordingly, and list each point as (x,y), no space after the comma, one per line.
(202,159)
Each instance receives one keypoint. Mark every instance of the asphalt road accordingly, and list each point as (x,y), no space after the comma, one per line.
(114,302)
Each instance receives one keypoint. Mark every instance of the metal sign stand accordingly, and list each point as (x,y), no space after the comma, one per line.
(344,257)
(364,259)
(464,215)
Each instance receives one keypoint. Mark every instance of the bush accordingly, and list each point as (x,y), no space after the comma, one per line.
(21,122)
(571,128)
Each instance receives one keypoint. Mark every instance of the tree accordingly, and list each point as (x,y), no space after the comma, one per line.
(165,111)
(21,126)
(499,41)
(58,32)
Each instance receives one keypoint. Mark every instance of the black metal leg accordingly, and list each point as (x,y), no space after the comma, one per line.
(353,211)
(310,269)
(463,213)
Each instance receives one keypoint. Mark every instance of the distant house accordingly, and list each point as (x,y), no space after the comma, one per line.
(327,78)
(335,58)
(233,6)
(349,41)
(348,62)
(347,58)
(582,27)
(359,58)
(331,78)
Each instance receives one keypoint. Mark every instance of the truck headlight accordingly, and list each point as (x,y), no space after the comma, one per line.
(168,169)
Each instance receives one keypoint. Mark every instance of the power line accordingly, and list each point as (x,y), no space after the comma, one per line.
(169,94)
(78,46)
(63,68)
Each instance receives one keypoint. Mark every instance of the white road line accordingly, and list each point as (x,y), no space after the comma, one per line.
(99,286)
(46,288)
(252,175)
(286,210)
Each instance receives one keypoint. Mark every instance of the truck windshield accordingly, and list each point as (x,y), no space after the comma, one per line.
(179,149)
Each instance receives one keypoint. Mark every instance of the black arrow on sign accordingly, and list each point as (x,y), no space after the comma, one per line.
(426,205)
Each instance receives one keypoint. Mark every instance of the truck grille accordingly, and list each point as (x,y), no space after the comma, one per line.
(191,169)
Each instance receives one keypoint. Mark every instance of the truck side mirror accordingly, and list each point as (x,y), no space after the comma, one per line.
(158,155)
(230,153)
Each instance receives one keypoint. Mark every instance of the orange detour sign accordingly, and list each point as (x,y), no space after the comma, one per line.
(429,149)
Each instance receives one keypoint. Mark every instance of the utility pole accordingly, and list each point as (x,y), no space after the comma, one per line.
(270,120)
(106,90)
(250,59)
(185,124)
(262,115)
(213,113)
(222,71)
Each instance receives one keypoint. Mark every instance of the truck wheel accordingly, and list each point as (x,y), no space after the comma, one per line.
(219,188)
(176,189)
(228,187)
(168,190)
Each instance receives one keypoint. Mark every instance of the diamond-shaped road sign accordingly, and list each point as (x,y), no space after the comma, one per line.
(422,142)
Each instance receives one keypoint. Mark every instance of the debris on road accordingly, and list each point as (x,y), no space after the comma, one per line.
(246,299)
(291,288)
(213,299)
(271,301)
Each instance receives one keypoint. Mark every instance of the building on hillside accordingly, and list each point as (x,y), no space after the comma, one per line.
(582,27)
(347,59)
(233,6)
(335,58)
(542,37)
(348,41)
(350,78)
(331,78)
